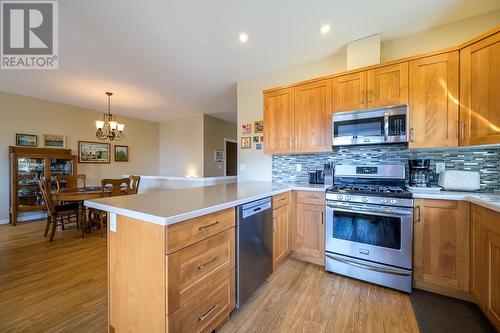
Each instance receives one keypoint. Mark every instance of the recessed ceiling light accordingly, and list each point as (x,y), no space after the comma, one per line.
(243,37)
(324,29)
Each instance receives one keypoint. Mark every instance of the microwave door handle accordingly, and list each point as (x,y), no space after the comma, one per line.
(386,126)
(372,211)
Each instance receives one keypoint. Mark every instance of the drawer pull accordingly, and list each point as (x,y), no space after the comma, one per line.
(203,317)
(200,267)
(282,199)
(205,227)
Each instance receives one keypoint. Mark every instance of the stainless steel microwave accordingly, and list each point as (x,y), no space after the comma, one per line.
(373,126)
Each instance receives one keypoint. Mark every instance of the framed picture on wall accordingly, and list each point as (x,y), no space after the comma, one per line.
(246,142)
(258,126)
(54,141)
(121,153)
(246,128)
(218,155)
(26,140)
(93,152)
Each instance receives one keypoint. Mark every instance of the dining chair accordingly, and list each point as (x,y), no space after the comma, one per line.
(116,187)
(56,212)
(134,184)
(71,182)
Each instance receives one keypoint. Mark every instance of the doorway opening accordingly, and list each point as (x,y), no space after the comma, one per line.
(231,160)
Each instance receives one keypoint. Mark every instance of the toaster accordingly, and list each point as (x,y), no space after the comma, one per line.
(455,180)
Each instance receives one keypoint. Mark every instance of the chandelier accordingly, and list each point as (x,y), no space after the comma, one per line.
(109,127)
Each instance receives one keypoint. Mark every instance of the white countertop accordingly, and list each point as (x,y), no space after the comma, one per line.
(172,206)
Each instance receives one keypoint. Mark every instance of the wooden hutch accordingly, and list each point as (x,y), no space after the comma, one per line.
(27,166)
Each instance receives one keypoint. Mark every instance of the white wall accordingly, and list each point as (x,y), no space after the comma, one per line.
(249,92)
(181,147)
(215,131)
(22,114)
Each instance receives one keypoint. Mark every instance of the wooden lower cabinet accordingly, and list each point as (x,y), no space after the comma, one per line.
(308,232)
(179,278)
(282,234)
(441,247)
(485,275)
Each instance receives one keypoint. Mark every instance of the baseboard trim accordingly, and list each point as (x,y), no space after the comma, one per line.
(4,221)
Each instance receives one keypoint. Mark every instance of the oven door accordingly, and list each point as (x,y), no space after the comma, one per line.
(381,234)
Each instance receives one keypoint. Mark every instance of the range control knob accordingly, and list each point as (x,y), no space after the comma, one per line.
(393,201)
(383,201)
(339,197)
(364,199)
(347,197)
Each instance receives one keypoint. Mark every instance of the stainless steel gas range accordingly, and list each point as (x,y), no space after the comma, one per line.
(369,225)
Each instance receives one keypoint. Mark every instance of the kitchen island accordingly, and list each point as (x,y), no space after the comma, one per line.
(171,254)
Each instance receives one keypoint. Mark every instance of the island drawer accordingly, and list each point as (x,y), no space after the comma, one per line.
(281,200)
(312,198)
(193,268)
(183,234)
(207,310)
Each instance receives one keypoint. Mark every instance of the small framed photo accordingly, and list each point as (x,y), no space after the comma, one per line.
(93,152)
(218,155)
(258,146)
(255,139)
(121,153)
(26,140)
(261,138)
(54,141)
(258,126)
(246,142)
(246,128)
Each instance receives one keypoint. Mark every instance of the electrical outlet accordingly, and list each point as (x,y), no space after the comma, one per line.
(243,167)
(298,167)
(440,167)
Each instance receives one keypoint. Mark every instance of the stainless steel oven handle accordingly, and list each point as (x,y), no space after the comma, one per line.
(372,211)
(363,266)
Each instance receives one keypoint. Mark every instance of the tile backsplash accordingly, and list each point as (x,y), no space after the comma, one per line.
(486,160)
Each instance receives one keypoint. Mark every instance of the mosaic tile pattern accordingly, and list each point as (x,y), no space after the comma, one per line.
(486,160)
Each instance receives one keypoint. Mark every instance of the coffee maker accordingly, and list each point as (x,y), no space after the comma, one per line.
(420,172)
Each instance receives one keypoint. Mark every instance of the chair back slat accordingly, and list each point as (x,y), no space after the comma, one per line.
(43,184)
(118,186)
(134,184)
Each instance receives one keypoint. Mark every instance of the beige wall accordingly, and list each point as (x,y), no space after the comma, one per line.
(214,133)
(21,114)
(181,147)
(249,93)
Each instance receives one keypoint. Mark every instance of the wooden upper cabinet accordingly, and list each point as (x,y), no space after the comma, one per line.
(433,100)
(479,92)
(349,92)
(278,121)
(313,110)
(441,249)
(387,85)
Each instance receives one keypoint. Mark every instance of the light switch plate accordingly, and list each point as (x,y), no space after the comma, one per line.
(440,167)
(112,222)
(243,167)
(298,167)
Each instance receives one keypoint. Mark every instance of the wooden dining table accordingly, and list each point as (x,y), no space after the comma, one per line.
(80,194)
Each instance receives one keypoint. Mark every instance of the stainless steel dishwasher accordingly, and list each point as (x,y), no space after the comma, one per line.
(254,247)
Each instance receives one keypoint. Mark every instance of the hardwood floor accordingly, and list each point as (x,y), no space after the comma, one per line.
(58,286)
(61,287)
(301,297)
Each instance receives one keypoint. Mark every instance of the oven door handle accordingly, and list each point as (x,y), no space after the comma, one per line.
(369,267)
(372,211)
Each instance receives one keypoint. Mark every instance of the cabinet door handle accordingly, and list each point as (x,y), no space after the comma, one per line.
(205,227)
(322,217)
(412,134)
(204,316)
(417,214)
(462,131)
(200,267)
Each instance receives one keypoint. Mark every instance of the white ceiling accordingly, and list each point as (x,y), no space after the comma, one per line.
(165,59)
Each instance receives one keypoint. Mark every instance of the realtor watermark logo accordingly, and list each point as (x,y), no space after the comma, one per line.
(29,34)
